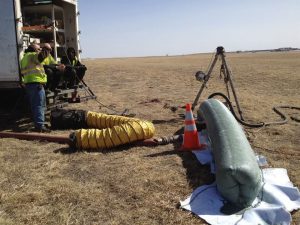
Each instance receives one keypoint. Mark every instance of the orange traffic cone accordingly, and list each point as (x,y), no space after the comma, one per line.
(190,138)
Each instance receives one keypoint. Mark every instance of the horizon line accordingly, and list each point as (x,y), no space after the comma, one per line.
(281,49)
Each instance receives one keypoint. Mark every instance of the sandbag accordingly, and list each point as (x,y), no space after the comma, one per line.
(68,119)
(238,175)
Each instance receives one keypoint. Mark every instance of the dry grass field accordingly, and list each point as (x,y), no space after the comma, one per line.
(44,183)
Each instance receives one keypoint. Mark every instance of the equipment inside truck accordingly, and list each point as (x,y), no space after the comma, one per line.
(54,22)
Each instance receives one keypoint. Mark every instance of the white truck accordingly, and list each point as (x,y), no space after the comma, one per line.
(25,21)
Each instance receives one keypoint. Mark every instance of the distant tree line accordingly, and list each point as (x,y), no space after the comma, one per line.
(285,49)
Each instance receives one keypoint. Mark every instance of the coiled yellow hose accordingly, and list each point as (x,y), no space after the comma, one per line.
(110,131)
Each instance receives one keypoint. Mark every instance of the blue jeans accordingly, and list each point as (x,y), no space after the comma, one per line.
(37,99)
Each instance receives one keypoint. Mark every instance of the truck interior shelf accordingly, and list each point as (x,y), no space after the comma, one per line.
(45,24)
(39,28)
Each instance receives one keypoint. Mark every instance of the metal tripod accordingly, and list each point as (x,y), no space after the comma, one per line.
(224,70)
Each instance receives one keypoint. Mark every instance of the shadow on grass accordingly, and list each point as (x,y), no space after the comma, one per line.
(167,121)
(196,173)
(65,150)
(71,149)
(15,111)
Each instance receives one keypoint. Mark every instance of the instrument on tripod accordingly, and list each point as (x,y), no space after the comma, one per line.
(224,70)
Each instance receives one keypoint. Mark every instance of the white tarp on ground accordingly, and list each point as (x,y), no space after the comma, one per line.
(272,206)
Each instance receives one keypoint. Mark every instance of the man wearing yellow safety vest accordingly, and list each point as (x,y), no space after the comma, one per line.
(52,69)
(34,78)
(75,70)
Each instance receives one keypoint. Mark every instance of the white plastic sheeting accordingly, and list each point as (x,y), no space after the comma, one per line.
(272,206)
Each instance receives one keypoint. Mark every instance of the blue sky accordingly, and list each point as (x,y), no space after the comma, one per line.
(126,28)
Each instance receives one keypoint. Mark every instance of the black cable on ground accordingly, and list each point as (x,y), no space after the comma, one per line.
(275,108)
(233,112)
(91,94)
(115,112)
(283,116)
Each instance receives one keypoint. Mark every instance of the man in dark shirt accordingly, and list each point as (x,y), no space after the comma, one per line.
(75,70)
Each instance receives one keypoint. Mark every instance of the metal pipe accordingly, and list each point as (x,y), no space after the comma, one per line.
(68,140)
(36,136)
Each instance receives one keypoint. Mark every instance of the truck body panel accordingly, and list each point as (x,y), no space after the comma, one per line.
(9,54)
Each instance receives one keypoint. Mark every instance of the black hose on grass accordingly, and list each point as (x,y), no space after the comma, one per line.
(261,124)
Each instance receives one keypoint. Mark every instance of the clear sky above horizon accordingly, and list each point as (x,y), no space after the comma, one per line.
(126,28)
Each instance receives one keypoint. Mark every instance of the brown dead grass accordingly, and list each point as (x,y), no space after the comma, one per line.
(43,183)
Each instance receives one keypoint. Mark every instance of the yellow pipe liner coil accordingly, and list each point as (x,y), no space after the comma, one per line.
(110,131)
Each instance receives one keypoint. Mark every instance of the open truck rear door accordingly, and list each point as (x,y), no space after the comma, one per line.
(9,55)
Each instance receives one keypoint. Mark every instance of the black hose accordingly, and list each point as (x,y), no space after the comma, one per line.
(275,108)
(283,116)
(233,112)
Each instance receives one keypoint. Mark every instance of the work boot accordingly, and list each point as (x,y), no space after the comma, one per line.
(42,129)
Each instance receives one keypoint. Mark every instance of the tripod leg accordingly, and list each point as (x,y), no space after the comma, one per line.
(227,89)
(227,71)
(204,82)
(225,75)
(87,88)
(226,79)
(198,95)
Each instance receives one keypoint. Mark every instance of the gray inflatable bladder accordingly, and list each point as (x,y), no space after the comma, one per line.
(238,175)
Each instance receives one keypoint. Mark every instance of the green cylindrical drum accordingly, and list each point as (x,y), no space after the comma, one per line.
(238,175)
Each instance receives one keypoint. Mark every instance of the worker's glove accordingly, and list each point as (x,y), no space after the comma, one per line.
(68,67)
(82,67)
(61,67)
(42,55)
